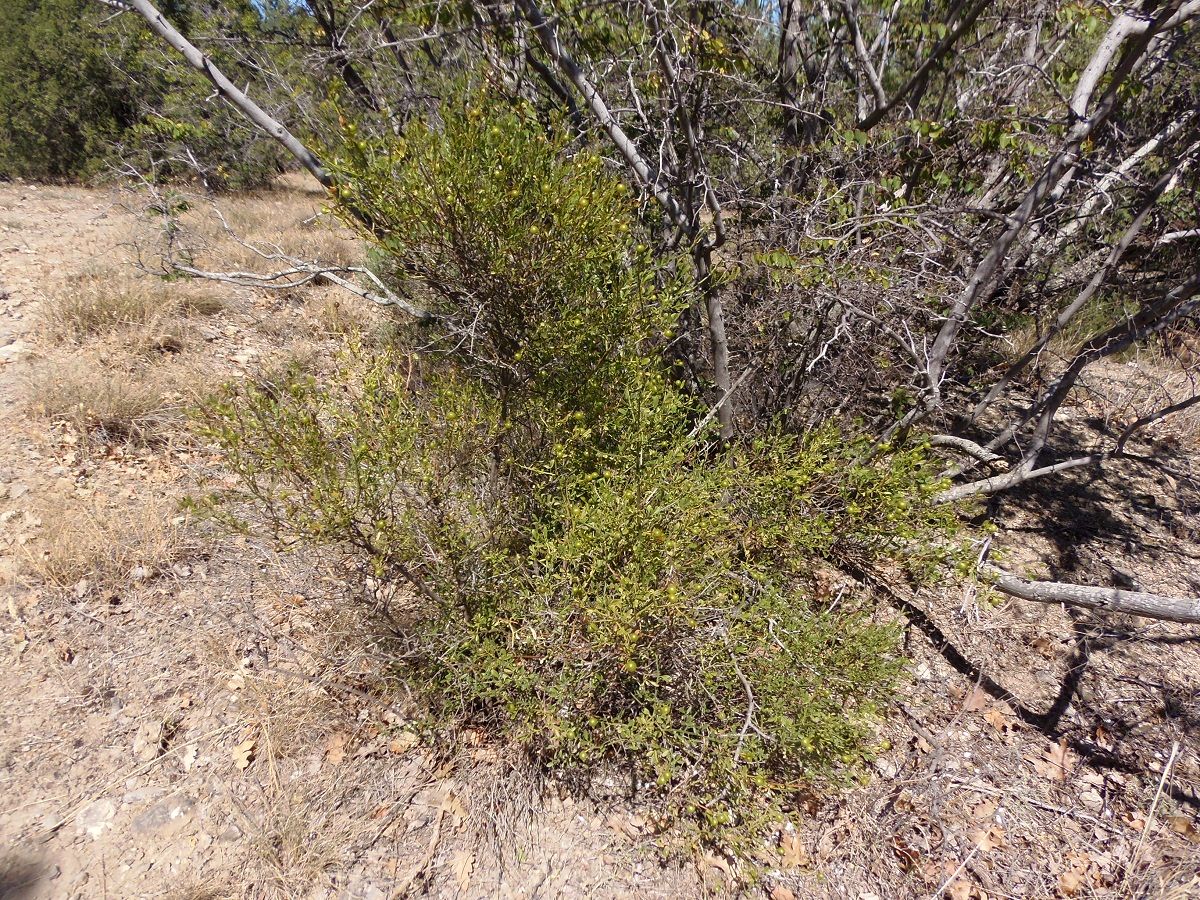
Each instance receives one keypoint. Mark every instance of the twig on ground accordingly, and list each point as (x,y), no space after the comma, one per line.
(949,881)
(423,865)
(1162,783)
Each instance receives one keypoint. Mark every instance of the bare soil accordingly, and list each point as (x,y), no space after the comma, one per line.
(188,713)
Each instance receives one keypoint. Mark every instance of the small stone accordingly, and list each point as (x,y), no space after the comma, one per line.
(96,818)
(167,815)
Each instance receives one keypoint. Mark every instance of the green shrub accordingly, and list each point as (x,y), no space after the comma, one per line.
(593,576)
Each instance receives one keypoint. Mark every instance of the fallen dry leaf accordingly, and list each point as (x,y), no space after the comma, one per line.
(1070,882)
(1185,826)
(985,809)
(335,747)
(907,856)
(453,804)
(792,851)
(976,700)
(779,892)
(462,864)
(1057,762)
(243,753)
(402,743)
(717,862)
(998,720)
(988,838)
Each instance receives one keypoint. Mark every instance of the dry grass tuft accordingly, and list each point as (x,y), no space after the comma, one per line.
(288,218)
(210,888)
(111,397)
(91,305)
(104,544)
(199,298)
(100,303)
(297,843)
(505,791)
(340,314)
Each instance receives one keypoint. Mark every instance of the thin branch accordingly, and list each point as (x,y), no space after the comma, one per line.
(918,77)
(302,273)
(547,35)
(964,445)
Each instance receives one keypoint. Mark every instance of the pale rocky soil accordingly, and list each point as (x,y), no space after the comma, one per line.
(197,715)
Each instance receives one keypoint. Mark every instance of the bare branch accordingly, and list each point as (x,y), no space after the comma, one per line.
(547,35)
(965,445)
(1061,161)
(231,92)
(926,68)
(1132,603)
(301,273)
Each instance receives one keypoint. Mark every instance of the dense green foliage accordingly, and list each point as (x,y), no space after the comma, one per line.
(839,228)
(82,90)
(592,575)
(62,101)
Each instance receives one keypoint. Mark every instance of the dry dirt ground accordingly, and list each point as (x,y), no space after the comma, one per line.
(187,713)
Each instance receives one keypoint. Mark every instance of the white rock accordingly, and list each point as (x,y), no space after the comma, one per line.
(96,818)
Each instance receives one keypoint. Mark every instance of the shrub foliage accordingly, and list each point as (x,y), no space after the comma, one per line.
(592,574)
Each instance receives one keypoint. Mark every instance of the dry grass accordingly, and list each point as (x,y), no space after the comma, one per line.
(102,544)
(109,398)
(341,314)
(96,304)
(297,842)
(290,217)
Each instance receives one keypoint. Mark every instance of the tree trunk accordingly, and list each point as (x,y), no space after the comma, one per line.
(719,349)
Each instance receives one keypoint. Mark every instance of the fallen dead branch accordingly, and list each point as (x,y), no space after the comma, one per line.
(1133,603)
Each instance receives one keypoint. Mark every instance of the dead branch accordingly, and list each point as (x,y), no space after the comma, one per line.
(1061,162)
(228,90)
(301,273)
(547,35)
(1133,603)
(964,445)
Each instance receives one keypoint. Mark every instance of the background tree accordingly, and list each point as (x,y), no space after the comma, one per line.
(87,90)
